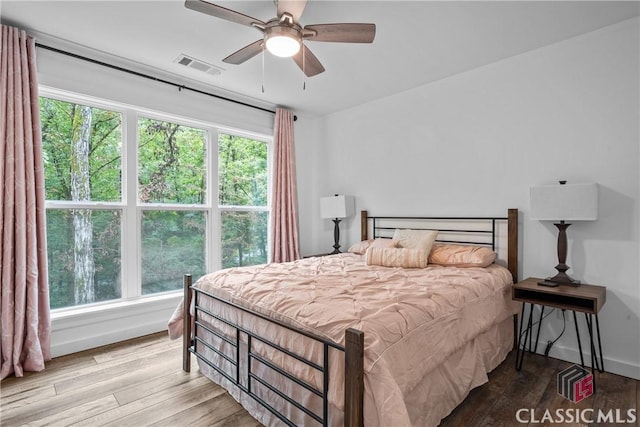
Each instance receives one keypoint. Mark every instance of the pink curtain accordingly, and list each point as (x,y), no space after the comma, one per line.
(284,197)
(25,341)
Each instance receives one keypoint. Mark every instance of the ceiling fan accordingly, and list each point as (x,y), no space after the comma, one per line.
(284,36)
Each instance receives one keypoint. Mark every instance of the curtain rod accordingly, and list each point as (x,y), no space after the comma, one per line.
(157,79)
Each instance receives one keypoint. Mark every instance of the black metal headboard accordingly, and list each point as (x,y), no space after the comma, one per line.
(498,233)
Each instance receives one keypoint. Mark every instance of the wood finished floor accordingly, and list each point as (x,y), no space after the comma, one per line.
(140,383)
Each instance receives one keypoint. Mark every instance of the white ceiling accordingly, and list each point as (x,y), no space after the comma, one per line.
(417,42)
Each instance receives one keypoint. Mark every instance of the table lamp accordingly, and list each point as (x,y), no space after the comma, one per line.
(564,202)
(336,207)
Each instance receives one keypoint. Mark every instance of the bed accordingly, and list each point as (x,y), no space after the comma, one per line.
(340,340)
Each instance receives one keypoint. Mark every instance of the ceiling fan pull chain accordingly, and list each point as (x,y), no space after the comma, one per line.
(304,75)
(263,68)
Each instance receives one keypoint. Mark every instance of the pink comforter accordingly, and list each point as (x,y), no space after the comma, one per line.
(413,319)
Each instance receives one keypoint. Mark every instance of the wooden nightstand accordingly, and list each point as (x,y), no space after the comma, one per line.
(587,299)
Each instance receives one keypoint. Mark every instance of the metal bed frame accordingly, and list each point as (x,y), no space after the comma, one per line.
(354,339)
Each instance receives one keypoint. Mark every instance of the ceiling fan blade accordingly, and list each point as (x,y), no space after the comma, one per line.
(222,12)
(342,33)
(293,7)
(245,53)
(312,65)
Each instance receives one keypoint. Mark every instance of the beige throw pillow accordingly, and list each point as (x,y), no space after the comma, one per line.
(415,239)
(397,257)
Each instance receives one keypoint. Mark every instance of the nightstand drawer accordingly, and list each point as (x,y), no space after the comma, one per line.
(584,298)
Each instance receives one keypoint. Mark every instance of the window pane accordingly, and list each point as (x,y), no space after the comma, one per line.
(171,163)
(173,244)
(81,150)
(83,247)
(244,238)
(242,171)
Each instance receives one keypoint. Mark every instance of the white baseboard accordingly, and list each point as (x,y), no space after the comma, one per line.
(572,355)
(78,330)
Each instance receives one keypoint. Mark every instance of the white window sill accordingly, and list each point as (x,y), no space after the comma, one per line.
(70,312)
(80,328)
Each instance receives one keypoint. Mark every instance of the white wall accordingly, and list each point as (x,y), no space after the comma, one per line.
(474,143)
(311,175)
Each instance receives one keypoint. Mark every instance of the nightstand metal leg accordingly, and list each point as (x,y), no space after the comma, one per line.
(599,343)
(519,339)
(594,359)
(535,349)
(530,327)
(522,343)
(599,364)
(575,321)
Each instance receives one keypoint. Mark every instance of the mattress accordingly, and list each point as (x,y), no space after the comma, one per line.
(414,320)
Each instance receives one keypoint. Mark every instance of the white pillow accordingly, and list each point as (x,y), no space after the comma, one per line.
(415,239)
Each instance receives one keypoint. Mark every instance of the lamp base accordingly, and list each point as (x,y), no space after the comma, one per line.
(562,278)
(336,236)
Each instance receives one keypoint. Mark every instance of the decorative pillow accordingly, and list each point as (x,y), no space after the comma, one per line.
(461,255)
(415,239)
(397,257)
(361,247)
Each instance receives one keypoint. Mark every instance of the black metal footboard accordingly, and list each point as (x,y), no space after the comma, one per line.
(247,381)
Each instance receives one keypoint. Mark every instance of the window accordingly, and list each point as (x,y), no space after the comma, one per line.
(171,176)
(242,181)
(131,199)
(82,161)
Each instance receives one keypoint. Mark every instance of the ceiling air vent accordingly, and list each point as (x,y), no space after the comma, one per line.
(199,65)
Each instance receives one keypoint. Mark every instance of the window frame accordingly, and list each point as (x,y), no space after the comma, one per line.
(132,209)
(243,208)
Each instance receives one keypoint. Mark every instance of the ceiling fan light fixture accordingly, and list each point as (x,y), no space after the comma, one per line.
(283,41)
(283,36)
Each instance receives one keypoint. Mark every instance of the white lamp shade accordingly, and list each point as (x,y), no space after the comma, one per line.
(565,202)
(337,206)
